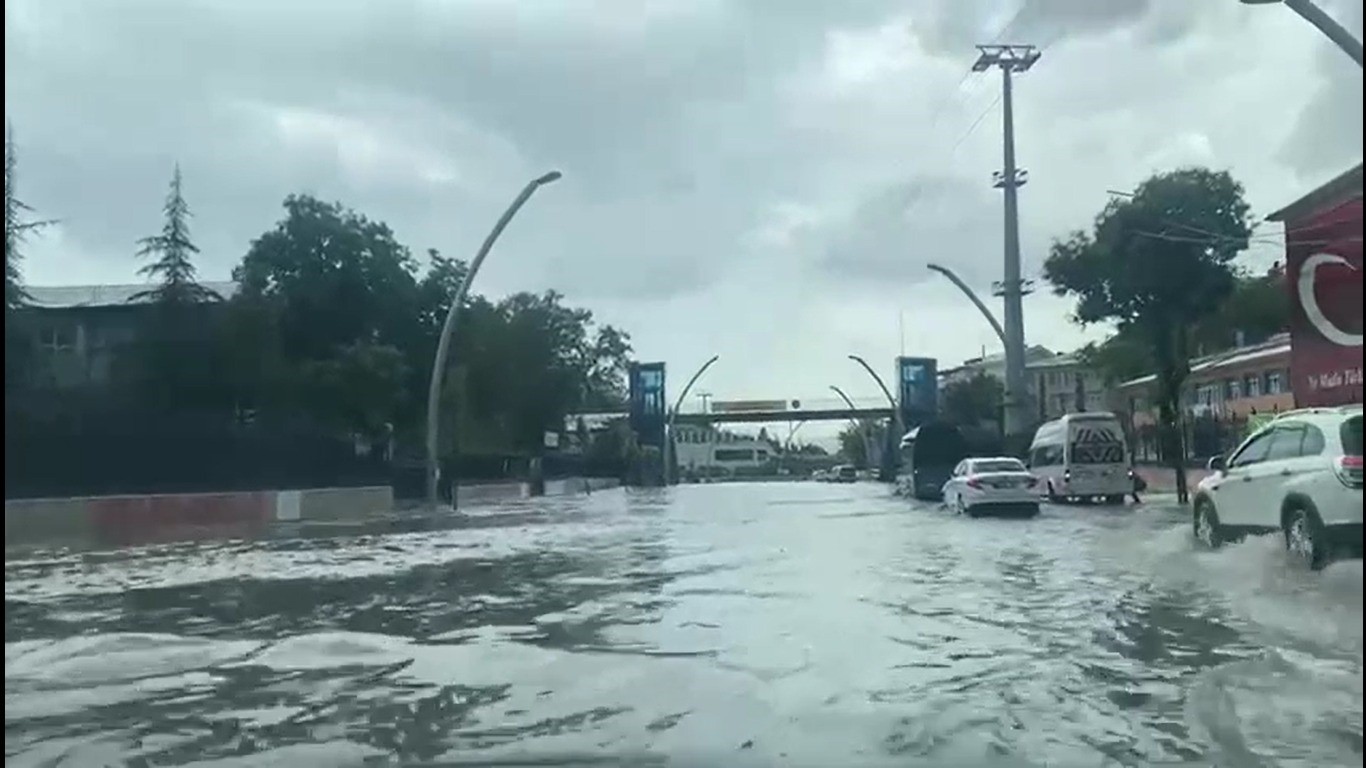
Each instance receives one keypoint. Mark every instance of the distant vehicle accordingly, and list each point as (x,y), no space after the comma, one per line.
(820,475)
(929,454)
(999,485)
(1300,475)
(1082,457)
(844,473)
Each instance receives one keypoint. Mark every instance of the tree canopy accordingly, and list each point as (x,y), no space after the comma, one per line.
(352,321)
(1156,264)
(973,401)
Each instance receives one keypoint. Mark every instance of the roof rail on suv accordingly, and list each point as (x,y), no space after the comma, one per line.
(1322,410)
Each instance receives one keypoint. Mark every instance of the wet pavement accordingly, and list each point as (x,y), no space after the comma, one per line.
(718,625)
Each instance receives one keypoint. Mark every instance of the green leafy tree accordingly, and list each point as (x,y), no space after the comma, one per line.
(1123,356)
(360,390)
(1258,307)
(1155,264)
(335,282)
(337,276)
(973,401)
(855,439)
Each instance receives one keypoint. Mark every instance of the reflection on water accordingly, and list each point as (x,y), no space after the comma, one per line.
(709,625)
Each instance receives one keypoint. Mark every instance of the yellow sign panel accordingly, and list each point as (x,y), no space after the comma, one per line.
(748,406)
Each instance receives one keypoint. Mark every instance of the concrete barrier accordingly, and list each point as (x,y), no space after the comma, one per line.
(156,518)
(47,521)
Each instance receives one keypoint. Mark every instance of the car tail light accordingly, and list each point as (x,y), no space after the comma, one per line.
(1067,476)
(974,483)
(1349,470)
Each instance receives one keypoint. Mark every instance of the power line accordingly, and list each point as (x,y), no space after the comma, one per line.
(918,192)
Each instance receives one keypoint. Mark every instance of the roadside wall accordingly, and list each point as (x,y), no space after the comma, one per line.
(127,520)
(149,519)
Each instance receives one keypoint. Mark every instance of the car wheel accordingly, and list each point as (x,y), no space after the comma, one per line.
(1207,529)
(1305,539)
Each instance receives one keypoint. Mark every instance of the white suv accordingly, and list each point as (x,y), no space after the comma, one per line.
(1300,474)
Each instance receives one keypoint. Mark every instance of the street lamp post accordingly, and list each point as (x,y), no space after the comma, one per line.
(1323,22)
(900,427)
(673,414)
(962,286)
(443,344)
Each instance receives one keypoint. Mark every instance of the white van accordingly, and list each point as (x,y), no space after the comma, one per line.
(1082,456)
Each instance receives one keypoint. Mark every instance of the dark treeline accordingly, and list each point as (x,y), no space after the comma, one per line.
(331,332)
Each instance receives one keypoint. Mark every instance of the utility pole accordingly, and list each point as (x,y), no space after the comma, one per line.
(1011,59)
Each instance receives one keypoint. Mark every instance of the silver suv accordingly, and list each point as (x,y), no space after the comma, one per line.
(1300,475)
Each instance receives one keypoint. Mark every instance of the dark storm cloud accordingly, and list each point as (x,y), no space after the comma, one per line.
(630,114)
(672,120)
(1328,132)
(892,235)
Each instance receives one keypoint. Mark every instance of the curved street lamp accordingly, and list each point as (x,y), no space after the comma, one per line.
(886,392)
(1322,21)
(669,460)
(888,468)
(962,286)
(861,427)
(443,344)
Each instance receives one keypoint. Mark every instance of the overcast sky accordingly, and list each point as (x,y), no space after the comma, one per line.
(763,180)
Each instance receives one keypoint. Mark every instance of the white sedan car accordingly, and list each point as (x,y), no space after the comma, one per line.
(992,486)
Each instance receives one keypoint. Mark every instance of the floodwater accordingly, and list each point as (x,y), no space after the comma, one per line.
(719,625)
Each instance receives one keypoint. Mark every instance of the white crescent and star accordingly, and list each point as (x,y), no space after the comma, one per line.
(1310,301)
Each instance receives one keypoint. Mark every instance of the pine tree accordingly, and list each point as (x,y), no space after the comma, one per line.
(177,283)
(17,229)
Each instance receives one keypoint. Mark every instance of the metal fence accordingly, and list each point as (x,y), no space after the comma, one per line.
(1203,437)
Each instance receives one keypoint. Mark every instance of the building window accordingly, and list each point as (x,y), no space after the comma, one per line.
(1252,385)
(733,454)
(1275,383)
(1206,394)
(58,338)
(1233,389)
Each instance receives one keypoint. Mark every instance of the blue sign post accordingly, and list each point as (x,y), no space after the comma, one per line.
(648,414)
(917,390)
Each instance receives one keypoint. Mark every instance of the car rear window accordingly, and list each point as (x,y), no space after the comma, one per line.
(1351,436)
(997,466)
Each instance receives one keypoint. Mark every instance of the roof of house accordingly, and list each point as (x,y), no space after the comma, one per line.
(1344,187)
(1060,360)
(1276,345)
(72,296)
(1032,353)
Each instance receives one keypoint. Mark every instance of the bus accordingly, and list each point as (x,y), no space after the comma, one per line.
(1082,456)
(928,455)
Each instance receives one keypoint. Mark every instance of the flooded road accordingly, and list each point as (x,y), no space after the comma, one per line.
(720,625)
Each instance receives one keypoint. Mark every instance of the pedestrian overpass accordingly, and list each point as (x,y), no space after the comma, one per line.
(833,410)
(652,419)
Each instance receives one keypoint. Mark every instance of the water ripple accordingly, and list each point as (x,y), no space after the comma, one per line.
(729,625)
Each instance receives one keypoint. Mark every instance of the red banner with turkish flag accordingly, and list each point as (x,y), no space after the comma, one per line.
(1324,276)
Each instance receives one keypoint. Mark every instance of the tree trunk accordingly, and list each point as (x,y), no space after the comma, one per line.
(1172,370)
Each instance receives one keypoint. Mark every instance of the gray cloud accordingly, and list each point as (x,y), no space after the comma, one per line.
(732,167)
(1328,132)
